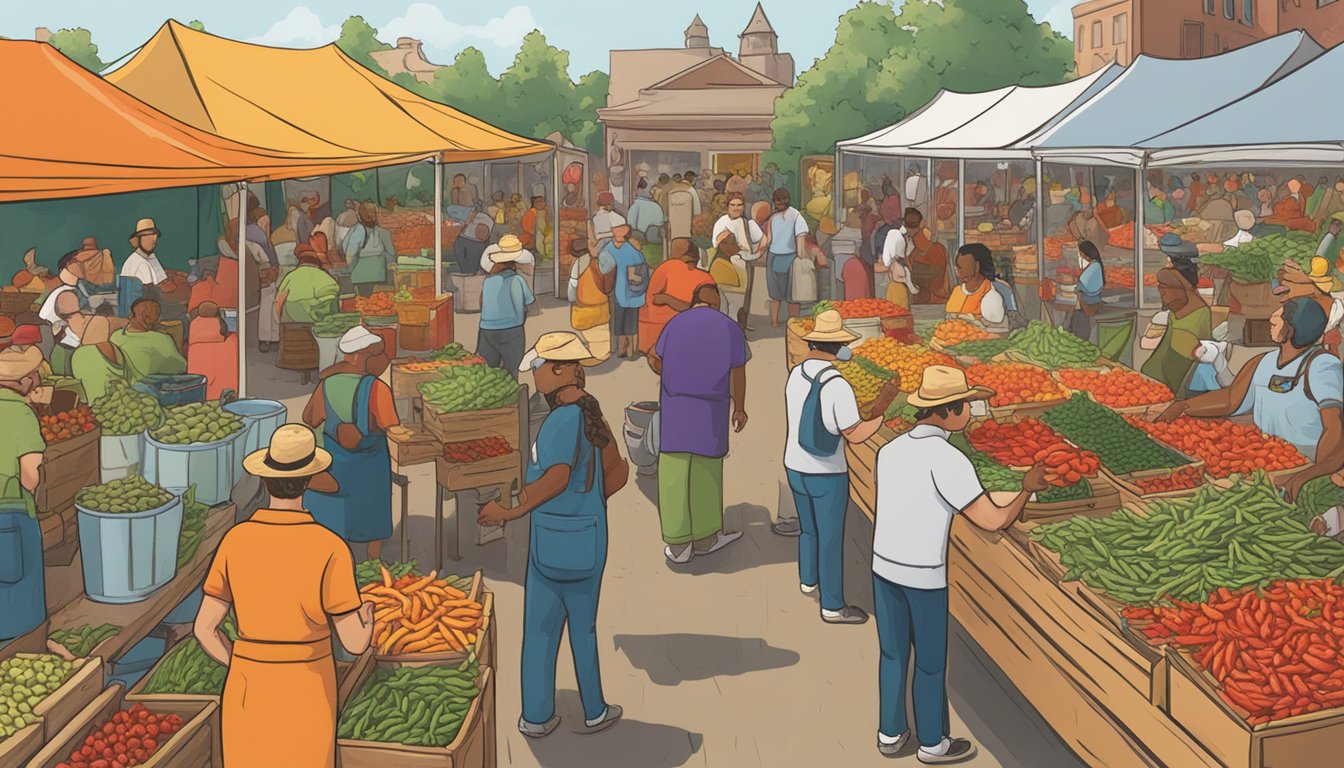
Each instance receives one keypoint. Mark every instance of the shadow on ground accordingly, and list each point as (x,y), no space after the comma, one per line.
(678,658)
(628,744)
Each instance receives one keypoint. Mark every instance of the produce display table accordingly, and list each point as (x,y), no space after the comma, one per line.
(138,619)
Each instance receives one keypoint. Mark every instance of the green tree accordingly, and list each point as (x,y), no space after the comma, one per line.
(358,39)
(77,45)
(468,86)
(197,25)
(590,95)
(884,65)
(537,95)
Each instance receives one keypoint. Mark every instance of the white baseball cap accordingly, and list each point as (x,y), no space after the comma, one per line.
(356,339)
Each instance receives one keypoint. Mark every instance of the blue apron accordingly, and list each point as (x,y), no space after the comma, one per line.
(23,593)
(568,536)
(362,509)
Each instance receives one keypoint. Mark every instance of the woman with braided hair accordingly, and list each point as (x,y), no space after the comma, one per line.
(574,467)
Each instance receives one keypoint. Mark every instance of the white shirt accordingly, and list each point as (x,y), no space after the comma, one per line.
(839,412)
(487,264)
(923,481)
(895,246)
(48,312)
(1240,238)
(747,232)
(603,221)
(144,267)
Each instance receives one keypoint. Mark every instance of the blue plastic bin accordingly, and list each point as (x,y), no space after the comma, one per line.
(261,417)
(208,466)
(173,389)
(129,556)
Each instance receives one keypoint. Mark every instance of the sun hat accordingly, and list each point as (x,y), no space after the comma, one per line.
(558,347)
(145,227)
(508,249)
(293,452)
(829,326)
(942,385)
(356,339)
(1320,274)
(19,361)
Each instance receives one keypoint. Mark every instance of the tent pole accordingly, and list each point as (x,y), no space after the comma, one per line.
(961,203)
(838,211)
(1040,230)
(1140,200)
(438,227)
(243,298)
(555,223)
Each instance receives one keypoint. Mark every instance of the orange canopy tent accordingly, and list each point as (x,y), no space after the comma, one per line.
(90,138)
(308,103)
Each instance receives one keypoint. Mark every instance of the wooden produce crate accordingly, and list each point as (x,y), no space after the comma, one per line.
(474,746)
(416,447)
(67,468)
(19,747)
(862,461)
(1104,500)
(483,648)
(473,425)
(501,470)
(53,713)
(196,745)
(1307,741)
(1130,493)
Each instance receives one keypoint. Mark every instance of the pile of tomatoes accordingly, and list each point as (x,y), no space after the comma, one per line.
(67,424)
(1029,442)
(1015,383)
(854,309)
(129,738)
(1226,447)
(1118,388)
(952,332)
(379,304)
(467,451)
(1182,479)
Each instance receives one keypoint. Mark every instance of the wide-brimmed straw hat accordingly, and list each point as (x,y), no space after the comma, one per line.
(510,248)
(145,227)
(558,347)
(829,326)
(293,452)
(943,384)
(19,361)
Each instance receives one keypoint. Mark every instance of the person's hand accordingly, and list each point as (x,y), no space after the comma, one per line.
(1336,227)
(739,420)
(889,392)
(1292,485)
(1317,525)
(492,514)
(366,613)
(1034,480)
(1173,412)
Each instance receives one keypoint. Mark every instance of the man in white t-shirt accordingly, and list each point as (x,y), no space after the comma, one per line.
(143,264)
(750,240)
(923,482)
(599,229)
(823,415)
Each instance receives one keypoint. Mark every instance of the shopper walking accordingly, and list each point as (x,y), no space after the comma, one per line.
(923,482)
(289,581)
(750,242)
(505,297)
(626,263)
(672,288)
(702,357)
(368,247)
(785,241)
(590,299)
(575,466)
(823,415)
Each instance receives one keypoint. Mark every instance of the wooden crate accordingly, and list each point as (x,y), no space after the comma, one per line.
(196,745)
(62,706)
(487,473)
(474,746)
(416,447)
(1307,741)
(862,461)
(473,425)
(1130,493)
(19,747)
(482,649)
(67,468)
(1104,500)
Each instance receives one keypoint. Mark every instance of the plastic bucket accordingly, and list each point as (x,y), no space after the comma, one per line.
(128,556)
(208,466)
(174,389)
(640,430)
(328,351)
(260,420)
(119,456)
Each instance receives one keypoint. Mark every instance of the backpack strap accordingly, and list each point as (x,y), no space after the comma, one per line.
(1304,372)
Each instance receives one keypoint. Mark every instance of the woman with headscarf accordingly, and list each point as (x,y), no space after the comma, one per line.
(1176,331)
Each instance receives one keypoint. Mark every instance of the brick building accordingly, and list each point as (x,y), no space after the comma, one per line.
(1118,30)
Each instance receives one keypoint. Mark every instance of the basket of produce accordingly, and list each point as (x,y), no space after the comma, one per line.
(470,402)
(420,717)
(409,373)
(380,304)
(423,619)
(128,535)
(81,641)
(71,460)
(482,463)
(1018,388)
(1226,447)
(185,673)
(44,692)
(184,735)
(1122,390)
(195,446)
(950,333)
(123,415)
(1127,453)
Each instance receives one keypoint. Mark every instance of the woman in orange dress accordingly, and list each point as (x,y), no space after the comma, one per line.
(285,576)
(671,290)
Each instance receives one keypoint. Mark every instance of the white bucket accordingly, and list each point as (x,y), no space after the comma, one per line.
(208,466)
(119,456)
(129,556)
(328,351)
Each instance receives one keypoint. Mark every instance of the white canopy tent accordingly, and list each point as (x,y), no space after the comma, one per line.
(1254,129)
(1155,95)
(946,112)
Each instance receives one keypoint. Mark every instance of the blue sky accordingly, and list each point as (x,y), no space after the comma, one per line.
(587,28)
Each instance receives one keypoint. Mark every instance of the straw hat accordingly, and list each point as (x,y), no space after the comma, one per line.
(1320,274)
(942,385)
(510,248)
(145,227)
(829,326)
(558,347)
(17,362)
(293,452)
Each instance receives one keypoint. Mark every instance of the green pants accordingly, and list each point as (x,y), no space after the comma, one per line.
(690,496)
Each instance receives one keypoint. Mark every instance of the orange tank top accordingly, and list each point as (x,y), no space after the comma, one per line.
(962,303)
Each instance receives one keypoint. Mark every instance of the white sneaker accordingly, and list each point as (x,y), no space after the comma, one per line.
(681,557)
(722,540)
(608,719)
(809,590)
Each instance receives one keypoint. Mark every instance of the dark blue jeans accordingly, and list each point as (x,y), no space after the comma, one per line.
(821,501)
(906,618)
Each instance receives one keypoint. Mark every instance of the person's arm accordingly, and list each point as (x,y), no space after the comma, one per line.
(615,469)
(738,394)
(350,615)
(555,449)
(315,412)
(528,298)
(894,242)
(30,470)
(668,300)
(206,629)
(280,298)
(864,430)
(985,513)
(1218,403)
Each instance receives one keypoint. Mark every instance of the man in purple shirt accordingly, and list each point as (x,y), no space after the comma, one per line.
(702,358)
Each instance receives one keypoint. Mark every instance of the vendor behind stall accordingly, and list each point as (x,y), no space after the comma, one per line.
(98,361)
(368,248)
(1091,282)
(213,351)
(22,589)
(148,351)
(975,298)
(1176,332)
(1294,393)
(308,291)
(60,310)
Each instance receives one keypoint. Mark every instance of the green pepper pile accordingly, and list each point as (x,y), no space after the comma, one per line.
(470,388)
(1122,447)
(125,496)
(196,423)
(1259,260)
(24,682)
(188,670)
(81,642)
(193,527)
(452,351)
(981,350)
(419,706)
(335,325)
(370,571)
(123,411)
(1053,347)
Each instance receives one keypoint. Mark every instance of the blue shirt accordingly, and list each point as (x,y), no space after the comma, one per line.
(621,258)
(562,440)
(644,213)
(504,300)
(1290,414)
(1091,282)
